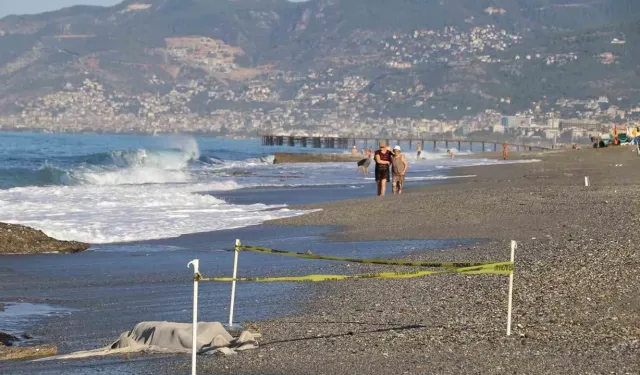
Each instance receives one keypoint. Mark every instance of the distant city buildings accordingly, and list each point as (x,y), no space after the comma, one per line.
(232,100)
(515,122)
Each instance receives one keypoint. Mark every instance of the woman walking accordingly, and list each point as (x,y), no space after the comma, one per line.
(383,160)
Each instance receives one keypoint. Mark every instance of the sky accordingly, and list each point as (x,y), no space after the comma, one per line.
(38,6)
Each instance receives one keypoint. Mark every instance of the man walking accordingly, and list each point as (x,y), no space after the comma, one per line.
(383,160)
(399,166)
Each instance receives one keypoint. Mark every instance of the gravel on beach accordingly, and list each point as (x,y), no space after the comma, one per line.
(576,289)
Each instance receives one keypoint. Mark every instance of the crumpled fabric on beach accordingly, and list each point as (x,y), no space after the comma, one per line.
(170,337)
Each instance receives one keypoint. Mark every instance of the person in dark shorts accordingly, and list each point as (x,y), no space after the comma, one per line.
(383,158)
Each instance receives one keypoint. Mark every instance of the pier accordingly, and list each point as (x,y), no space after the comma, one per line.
(348,142)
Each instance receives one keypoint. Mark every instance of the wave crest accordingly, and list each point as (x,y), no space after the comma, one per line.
(45,175)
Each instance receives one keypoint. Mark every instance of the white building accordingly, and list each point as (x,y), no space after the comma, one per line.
(515,122)
(553,123)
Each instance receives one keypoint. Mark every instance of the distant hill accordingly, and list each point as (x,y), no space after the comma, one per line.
(149,46)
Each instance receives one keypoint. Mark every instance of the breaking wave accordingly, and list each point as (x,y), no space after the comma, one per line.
(119,167)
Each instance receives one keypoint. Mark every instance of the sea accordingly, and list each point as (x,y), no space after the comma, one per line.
(121,188)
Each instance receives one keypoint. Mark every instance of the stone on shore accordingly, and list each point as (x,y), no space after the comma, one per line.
(27,352)
(7,339)
(19,239)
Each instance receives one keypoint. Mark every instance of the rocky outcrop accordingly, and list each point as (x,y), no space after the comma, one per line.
(285,157)
(18,239)
(7,339)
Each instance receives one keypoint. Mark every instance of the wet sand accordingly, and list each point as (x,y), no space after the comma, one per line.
(295,196)
(110,288)
(577,279)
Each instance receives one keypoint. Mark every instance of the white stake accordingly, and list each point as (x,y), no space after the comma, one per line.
(233,283)
(510,305)
(586,181)
(194,342)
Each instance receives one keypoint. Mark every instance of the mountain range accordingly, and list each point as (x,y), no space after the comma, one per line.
(545,49)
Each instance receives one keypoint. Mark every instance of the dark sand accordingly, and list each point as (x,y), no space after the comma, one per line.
(577,279)
(110,288)
(305,195)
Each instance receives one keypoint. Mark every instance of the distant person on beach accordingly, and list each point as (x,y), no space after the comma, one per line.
(451,153)
(399,167)
(363,165)
(354,150)
(505,151)
(383,160)
(419,151)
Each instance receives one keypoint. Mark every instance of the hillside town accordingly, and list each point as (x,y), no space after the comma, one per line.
(325,101)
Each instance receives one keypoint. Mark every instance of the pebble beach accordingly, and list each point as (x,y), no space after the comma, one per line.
(576,285)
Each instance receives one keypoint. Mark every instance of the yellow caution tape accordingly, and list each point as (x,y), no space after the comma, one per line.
(360,260)
(504,268)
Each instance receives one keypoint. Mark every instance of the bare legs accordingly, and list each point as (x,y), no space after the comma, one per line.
(382,187)
(396,187)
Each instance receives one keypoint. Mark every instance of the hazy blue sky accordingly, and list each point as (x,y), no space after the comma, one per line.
(38,6)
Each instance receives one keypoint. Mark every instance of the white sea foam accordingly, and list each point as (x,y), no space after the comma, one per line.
(248,163)
(131,176)
(105,214)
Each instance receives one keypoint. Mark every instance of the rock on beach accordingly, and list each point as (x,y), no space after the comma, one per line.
(19,239)
(7,339)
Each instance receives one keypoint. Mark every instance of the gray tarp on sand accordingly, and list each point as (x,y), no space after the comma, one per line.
(169,337)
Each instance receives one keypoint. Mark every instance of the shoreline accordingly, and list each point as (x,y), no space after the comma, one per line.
(104,285)
(577,285)
(454,323)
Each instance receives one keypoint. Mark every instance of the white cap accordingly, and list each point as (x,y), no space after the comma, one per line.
(397,148)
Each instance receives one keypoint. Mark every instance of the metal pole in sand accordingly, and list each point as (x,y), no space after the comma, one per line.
(586,181)
(194,341)
(233,283)
(510,304)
